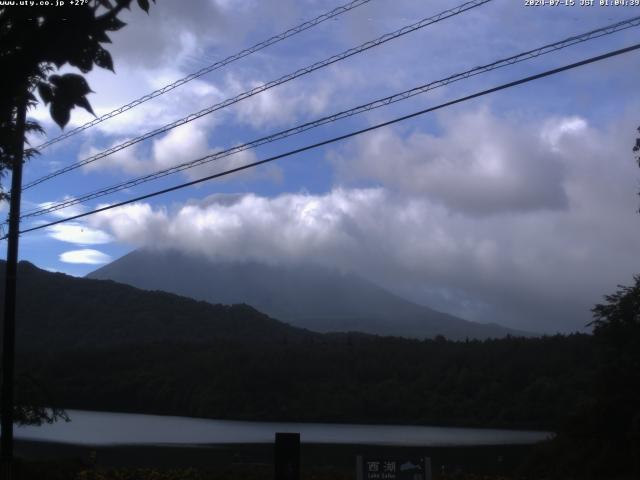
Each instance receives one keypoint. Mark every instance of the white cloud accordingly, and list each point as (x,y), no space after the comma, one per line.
(556,129)
(78,233)
(157,49)
(168,33)
(537,267)
(525,221)
(479,165)
(70,211)
(86,256)
(134,223)
(181,145)
(222,225)
(282,105)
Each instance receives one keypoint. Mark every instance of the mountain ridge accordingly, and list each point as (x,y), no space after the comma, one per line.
(305,296)
(56,311)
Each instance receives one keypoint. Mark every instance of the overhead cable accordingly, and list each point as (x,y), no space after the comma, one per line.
(230,59)
(341,137)
(266,86)
(632,22)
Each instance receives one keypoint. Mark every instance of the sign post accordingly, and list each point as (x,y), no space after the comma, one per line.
(287,456)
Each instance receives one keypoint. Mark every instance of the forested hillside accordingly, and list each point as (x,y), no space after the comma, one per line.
(100,345)
(60,312)
(529,383)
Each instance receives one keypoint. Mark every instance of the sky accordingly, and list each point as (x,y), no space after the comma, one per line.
(519,207)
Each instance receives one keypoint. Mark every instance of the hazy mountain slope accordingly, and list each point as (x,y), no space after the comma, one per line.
(57,311)
(308,296)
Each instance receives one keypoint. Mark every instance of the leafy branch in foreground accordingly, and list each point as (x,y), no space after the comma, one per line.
(38,40)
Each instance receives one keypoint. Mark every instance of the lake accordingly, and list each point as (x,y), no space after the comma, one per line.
(104,428)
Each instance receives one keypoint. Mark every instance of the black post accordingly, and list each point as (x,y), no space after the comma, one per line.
(287,456)
(9,327)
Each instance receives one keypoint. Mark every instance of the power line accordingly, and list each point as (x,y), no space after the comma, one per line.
(632,22)
(266,86)
(215,66)
(345,136)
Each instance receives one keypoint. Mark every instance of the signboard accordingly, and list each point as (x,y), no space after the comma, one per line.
(384,468)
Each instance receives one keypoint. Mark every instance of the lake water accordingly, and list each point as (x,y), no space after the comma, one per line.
(103,428)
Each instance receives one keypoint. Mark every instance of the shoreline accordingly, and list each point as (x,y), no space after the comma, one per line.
(480,459)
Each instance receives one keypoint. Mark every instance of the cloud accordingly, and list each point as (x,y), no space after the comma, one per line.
(168,33)
(78,233)
(282,105)
(222,225)
(66,212)
(524,218)
(135,223)
(479,165)
(536,265)
(86,256)
(174,40)
(180,145)
(168,44)
(129,160)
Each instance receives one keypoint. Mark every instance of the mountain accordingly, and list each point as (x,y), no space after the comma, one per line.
(96,344)
(305,296)
(60,312)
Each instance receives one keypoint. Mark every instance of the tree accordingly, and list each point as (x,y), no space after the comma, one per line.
(35,41)
(613,421)
(617,333)
(636,150)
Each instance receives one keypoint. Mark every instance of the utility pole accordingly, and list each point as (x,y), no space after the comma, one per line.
(9,324)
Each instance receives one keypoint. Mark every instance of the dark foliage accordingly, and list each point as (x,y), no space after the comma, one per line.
(617,332)
(37,39)
(524,383)
(602,440)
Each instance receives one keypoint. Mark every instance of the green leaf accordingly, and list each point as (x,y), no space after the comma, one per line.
(68,90)
(103,59)
(84,103)
(71,83)
(113,24)
(84,59)
(31,127)
(60,112)
(55,80)
(124,3)
(29,153)
(100,36)
(144,5)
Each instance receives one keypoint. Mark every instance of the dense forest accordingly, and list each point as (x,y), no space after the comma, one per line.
(526,383)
